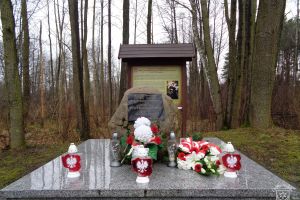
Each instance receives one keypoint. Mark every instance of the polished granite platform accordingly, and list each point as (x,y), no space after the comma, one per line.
(99,180)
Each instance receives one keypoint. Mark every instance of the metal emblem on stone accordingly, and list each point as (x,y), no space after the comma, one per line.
(282,193)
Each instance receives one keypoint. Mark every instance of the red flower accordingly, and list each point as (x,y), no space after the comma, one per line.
(204,148)
(198,168)
(195,149)
(181,156)
(130,139)
(218,163)
(156,140)
(202,151)
(154,129)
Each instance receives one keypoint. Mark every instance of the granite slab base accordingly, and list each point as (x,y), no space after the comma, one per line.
(100,181)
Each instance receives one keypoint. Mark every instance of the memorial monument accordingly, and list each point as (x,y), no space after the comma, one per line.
(162,67)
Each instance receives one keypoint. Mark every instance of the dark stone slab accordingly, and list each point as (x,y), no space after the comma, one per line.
(99,180)
(145,105)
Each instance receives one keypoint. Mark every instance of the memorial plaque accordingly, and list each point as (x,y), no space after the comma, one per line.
(166,79)
(145,105)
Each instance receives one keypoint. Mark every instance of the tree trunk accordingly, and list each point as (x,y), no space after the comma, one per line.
(25,60)
(96,93)
(268,29)
(109,61)
(42,80)
(175,23)
(149,17)
(59,21)
(250,14)
(86,73)
(239,72)
(102,59)
(77,70)
(51,59)
(123,78)
(135,21)
(12,80)
(211,69)
(295,67)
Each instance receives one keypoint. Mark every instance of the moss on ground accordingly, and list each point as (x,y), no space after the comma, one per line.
(276,149)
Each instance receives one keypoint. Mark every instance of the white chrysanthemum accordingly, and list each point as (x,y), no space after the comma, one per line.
(141,121)
(200,155)
(213,158)
(183,148)
(214,151)
(143,133)
(181,164)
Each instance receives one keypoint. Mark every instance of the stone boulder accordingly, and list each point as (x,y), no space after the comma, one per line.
(119,121)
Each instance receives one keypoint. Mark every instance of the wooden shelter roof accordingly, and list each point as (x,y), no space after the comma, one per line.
(182,51)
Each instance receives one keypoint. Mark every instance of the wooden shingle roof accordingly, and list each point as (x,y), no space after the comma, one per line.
(131,51)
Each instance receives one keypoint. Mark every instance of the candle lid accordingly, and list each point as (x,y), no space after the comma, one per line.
(72,148)
(229,147)
(140,151)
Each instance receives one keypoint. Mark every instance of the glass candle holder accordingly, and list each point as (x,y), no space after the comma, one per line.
(115,151)
(172,149)
(142,164)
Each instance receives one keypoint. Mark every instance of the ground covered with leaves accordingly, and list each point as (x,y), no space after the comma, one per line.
(276,149)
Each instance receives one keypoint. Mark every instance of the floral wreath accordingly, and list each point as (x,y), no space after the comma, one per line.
(146,134)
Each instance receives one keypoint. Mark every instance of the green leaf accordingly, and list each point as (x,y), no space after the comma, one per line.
(123,140)
(153,149)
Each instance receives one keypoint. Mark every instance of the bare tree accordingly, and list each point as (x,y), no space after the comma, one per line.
(42,79)
(96,94)
(77,70)
(135,20)
(149,18)
(109,60)
(123,78)
(25,59)
(101,57)
(50,48)
(86,73)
